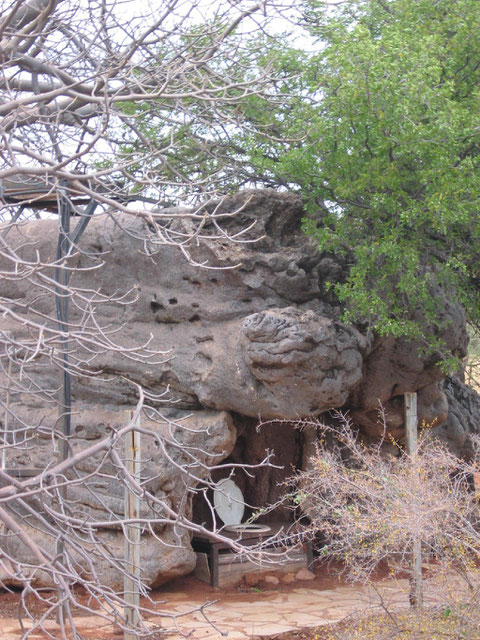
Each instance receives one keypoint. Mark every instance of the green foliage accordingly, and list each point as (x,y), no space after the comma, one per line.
(390,155)
(472,365)
(378,127)
(214,138)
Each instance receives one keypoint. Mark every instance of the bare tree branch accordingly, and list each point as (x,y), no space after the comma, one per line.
(76,80)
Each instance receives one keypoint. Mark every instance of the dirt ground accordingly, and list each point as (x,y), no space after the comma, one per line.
(327,577)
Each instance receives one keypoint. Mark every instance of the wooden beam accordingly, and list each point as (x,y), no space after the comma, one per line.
(132,534)
(411,430)
(7,410)
(411,423)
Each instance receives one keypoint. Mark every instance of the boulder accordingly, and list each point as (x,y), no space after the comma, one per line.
(288,578)
(221,332)
(252,579)
(462,423)
(273,580)
(165,551)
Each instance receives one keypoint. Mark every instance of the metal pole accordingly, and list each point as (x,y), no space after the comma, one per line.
(411,429)
(66,240)
(65,244)
(65,398)
(132,534)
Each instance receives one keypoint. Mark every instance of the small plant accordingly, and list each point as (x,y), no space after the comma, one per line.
(369,507)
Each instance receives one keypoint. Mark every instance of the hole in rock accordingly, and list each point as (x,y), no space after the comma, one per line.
(156,306)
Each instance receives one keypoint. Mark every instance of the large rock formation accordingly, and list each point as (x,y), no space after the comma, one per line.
(462,420)
(241,332)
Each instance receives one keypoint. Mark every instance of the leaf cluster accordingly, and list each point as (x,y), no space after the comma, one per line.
(374,119)
(375,122)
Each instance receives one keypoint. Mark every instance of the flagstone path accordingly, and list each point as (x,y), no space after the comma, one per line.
(269,614)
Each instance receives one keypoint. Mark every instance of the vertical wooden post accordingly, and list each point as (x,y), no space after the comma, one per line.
(132,534)
(64,422)
(7,409)
(411,429)
(411,421)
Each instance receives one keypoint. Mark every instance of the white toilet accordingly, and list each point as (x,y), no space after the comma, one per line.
(230,506)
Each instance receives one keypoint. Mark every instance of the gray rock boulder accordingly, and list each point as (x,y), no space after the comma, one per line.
(176,454)
(462,423)
(242,331)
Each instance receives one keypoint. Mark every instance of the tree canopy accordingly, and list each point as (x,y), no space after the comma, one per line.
(377,125)
(395,141)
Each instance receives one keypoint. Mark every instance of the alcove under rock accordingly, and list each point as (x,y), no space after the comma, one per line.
(266,484)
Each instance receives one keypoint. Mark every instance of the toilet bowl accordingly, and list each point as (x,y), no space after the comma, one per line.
(229,506)
(246,528)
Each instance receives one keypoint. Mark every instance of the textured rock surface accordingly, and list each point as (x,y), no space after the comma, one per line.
(302,357)
(254,335)
(209,436)
(463,420)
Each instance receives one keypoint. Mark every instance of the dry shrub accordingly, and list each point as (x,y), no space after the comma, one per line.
(446,623)
(369,506)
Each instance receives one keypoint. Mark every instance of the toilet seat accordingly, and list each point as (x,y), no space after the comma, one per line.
(229,506)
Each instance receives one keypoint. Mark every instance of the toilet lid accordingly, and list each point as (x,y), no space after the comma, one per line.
(228,502)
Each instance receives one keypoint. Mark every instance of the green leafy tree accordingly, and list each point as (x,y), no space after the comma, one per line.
(390,155)
(395,142)
(378,127)
(202,146)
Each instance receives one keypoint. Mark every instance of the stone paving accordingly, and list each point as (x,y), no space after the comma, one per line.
(272,613)
(276,613)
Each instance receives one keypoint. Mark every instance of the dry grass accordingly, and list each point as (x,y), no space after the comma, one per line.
(439,624)
(461,622)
